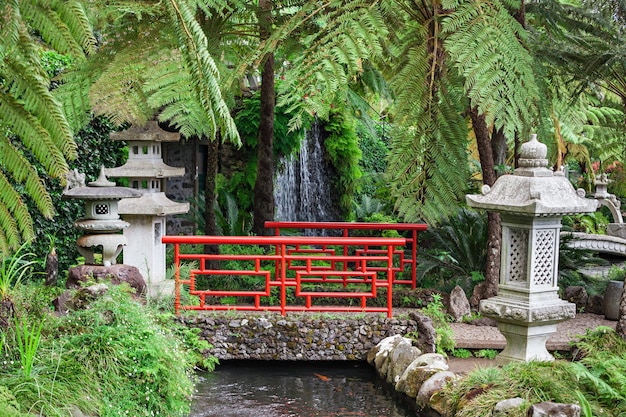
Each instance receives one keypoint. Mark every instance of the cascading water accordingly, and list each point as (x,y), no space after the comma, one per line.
(302,185)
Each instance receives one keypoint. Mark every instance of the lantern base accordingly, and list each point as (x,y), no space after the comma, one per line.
(525,343)
(526,325)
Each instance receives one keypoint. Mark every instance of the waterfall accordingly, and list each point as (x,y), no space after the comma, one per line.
(302,184)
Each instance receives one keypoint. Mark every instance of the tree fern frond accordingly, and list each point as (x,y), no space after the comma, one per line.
(31,90)
(485,44)
(9,25)
(168,89)
(53,26)
(203,70)
(336,51)
(428,164)
(16,166)
(34,136)
(14,217)
(118,92)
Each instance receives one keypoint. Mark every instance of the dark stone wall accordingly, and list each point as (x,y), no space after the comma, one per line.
(181,154)
(307,337)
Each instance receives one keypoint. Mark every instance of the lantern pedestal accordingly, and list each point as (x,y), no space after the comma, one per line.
(526,325)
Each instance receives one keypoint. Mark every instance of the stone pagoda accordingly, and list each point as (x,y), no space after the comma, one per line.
(531,202)
(146,172)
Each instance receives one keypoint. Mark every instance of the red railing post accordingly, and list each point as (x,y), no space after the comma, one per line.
(177,279)
(283,279)
(390,272)
(414,259)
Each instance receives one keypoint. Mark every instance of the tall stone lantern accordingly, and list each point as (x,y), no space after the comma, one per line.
(531,202)
(146,173)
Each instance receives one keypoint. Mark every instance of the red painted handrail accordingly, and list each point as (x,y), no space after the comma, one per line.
(306,259)
(345,227)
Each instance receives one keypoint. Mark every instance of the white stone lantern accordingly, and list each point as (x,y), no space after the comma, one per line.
(101,223)
(531,202)
(146,173)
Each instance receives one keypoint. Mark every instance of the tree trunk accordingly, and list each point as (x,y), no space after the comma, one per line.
(210,196)
(621,319)
(499,149)
(489,287)
(264,184)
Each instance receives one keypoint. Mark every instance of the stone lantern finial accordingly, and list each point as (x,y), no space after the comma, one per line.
(533,154)
(102,180)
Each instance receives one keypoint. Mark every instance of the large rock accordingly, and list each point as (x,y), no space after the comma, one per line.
(427,335)
(421,369)
(117,274)
(459,305)
(378,356)
(620,328)
(595,304)
(548,409)
(427,394)
(576,294)
(401,356)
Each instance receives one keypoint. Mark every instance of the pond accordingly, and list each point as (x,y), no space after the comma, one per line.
(294,389)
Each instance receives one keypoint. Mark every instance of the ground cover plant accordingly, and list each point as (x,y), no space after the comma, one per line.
(116,357)
(595,379)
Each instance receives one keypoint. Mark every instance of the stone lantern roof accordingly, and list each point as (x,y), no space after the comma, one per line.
(101,189)
(533,189)
(144,154)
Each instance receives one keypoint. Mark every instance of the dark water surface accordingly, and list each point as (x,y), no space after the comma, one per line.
(281,389)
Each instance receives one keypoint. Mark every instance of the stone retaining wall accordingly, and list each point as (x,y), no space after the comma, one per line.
(307,337)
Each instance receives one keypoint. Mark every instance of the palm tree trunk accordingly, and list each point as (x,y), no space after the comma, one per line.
(264,184)
(489,287)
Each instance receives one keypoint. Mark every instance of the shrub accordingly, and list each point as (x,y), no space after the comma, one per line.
(115,358)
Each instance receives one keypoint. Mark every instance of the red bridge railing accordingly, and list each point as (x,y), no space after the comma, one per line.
(297,273)
(347,227)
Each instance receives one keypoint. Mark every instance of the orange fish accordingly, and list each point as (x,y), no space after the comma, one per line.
(322,377)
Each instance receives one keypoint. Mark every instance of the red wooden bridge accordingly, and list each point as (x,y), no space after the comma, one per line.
(296,273)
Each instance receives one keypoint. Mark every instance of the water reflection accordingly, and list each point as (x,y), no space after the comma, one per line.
(287,389)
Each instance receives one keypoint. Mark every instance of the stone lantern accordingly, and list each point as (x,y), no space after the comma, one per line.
(101,224)
(146,172)
(531,202)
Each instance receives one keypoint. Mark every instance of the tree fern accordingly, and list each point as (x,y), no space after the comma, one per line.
(31,119)
(200,64)
(485,44)
(145,67)
(340,38)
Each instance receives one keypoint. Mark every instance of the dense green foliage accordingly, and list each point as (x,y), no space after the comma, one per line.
(453,252)
(342,148)
(241,183)
(115,358)
(596,378)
